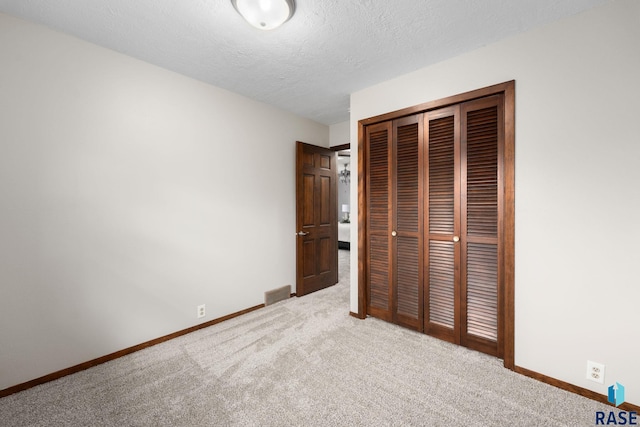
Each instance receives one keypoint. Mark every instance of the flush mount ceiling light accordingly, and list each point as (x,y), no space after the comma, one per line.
(265,14)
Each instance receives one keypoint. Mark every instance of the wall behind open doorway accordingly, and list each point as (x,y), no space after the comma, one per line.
(339,134)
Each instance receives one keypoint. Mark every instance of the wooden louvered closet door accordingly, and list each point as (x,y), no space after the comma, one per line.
(433,222)
(437,207)
(394,228)
(379,274)
(442,223)
(463,160)
(482,142)
(406,234)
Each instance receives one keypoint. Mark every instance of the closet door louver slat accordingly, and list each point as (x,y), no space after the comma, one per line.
(482,297)
(441,175)
(441,284)
(407,178)
(482,172)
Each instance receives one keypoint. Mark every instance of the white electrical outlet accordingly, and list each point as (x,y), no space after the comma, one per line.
(201,311)
(595,371)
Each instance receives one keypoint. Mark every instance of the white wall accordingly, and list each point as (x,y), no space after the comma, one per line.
(128,196)
(577,184)
(339,133)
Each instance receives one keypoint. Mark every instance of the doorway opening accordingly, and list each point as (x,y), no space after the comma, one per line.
(344,195)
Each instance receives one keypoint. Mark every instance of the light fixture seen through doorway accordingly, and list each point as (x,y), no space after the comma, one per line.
(345,174)
(265,14)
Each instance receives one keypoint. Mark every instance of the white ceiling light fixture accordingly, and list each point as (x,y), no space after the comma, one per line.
(265,14)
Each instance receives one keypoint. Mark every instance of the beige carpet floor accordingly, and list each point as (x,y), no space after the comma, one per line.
(300,362)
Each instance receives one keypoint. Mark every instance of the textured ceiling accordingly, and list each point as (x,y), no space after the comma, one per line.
(309,66)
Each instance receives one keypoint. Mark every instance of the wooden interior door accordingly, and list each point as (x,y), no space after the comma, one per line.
(442,224)
(481,183)
(464,163)
(394,243)
(406,234)
(316,219)
(379,225)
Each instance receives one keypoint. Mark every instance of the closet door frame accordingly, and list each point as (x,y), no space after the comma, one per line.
(506,245)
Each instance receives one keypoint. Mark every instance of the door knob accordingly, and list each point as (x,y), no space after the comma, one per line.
(456,239)
(394,234)
(301,233)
